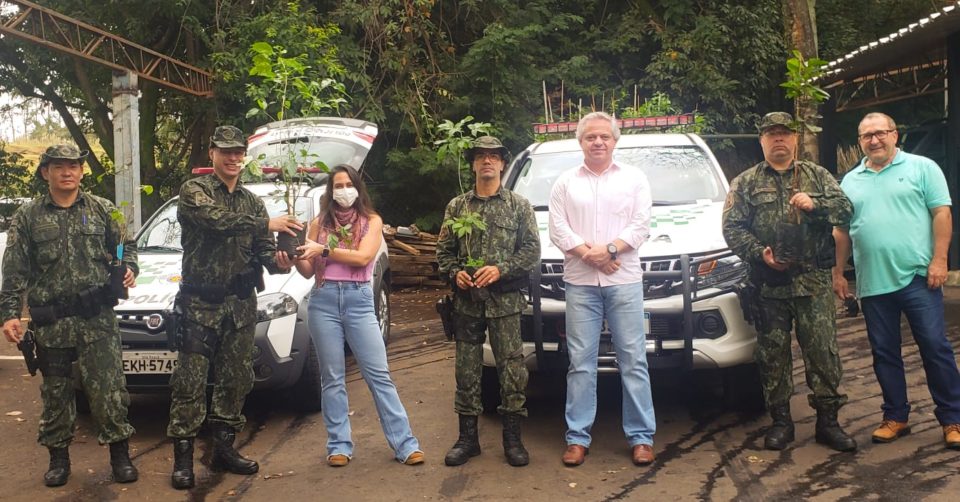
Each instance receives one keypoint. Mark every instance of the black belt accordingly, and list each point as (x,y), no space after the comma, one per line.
(85,304)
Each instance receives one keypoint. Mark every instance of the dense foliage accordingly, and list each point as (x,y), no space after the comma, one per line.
(410,65)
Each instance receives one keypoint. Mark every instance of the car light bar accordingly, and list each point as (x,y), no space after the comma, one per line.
(635,123)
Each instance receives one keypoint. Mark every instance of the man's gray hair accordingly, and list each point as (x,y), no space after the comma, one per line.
(598,116)
(874,115)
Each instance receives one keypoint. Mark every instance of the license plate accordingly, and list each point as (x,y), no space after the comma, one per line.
(149,363)
(605,329)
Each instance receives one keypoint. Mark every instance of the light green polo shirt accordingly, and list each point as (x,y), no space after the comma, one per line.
(892,228)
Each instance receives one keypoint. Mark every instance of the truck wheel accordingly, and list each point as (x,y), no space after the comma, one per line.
(305,394)
(489,389)
(381,306)
(742,389)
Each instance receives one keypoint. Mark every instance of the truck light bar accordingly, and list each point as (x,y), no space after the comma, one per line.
(265,170)
(637,123)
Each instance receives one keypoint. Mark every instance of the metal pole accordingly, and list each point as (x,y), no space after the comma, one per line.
(952,137)
(126,140)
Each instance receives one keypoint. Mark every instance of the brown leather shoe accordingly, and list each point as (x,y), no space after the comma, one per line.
(951,436)
(574,455)
(643,454)
(890,430)
(338,460)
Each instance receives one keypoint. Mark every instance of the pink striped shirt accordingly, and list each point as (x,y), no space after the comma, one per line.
(597,208)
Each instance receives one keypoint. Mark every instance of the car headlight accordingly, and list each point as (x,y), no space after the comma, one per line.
(720,273)
(275,305)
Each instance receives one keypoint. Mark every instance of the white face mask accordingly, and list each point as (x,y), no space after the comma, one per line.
(345,196)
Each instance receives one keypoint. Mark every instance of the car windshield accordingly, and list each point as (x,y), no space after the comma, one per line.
(163,232)
(677,174)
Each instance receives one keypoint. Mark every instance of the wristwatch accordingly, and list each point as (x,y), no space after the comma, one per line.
(325,253)
(612,249)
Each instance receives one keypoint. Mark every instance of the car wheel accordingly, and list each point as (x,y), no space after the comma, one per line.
(305,394)
(489,389)
(381,306)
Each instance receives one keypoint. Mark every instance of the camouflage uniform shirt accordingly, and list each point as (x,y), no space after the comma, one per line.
(510,242)
(224,234)
(54,253)
(758,203)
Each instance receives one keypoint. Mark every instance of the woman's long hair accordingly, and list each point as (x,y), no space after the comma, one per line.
(362,204)
(329,208)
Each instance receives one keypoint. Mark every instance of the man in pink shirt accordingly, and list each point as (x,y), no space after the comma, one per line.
(599,217)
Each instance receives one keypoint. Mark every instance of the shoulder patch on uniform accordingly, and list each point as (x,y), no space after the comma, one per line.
(728,204)
(12,235)
(202,199)
(444,231)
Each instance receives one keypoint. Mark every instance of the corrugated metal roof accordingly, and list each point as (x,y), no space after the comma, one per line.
(917,42)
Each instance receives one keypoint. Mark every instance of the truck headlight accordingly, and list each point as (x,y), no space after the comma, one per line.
(275,305)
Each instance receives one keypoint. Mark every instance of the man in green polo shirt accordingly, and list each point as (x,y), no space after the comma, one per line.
(900,232)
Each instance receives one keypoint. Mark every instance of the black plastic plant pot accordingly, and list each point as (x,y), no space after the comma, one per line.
(290,243)
(117,271)
(791,240)
(476,294)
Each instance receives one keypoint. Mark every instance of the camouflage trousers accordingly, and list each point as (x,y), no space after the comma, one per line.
(101,375)
(505,341)
(815,320)
(232,368)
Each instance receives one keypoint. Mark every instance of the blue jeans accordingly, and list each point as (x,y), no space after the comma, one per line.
(341,311)
(622,305)
(924,310)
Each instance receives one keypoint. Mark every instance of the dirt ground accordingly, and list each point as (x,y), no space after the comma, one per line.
(705,450)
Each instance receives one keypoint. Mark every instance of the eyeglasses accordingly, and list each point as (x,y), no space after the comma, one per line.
(487,155)
(880,135)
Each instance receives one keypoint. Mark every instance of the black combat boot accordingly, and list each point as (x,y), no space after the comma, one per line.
(780,432)
(59,469)
(182,477)
(512,446)
(829,432)
(467,445)
(225,457)
(123,469)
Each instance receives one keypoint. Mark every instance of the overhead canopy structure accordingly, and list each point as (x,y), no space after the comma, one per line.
(40,25)
(920,59)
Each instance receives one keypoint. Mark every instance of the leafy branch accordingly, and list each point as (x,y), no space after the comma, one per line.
(464,227)
(287,86)
(454,141)
(800,86)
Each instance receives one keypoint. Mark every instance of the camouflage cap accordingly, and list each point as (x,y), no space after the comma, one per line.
(62,152)
(486,143)
(228,137)
(773,119)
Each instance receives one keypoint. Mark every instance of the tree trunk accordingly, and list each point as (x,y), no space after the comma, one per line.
(801,26)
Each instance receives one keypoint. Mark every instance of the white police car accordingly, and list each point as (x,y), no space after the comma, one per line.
(284,357)
(693,318)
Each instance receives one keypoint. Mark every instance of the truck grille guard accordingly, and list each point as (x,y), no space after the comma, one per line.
(697,278)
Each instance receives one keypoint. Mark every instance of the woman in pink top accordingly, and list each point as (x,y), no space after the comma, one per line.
(341,309)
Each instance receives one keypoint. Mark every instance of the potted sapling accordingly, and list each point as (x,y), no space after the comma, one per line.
(287,87)
(467,227)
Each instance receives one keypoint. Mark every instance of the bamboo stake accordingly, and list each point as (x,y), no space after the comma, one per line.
(546,106)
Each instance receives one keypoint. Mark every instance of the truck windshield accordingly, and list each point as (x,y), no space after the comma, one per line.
(677,174)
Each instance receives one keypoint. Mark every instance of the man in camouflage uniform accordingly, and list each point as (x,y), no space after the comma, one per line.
(488,300)
(763,201)
(60,251)
(227,238)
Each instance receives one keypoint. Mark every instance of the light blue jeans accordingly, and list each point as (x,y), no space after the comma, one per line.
(341,311)
(622,306)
